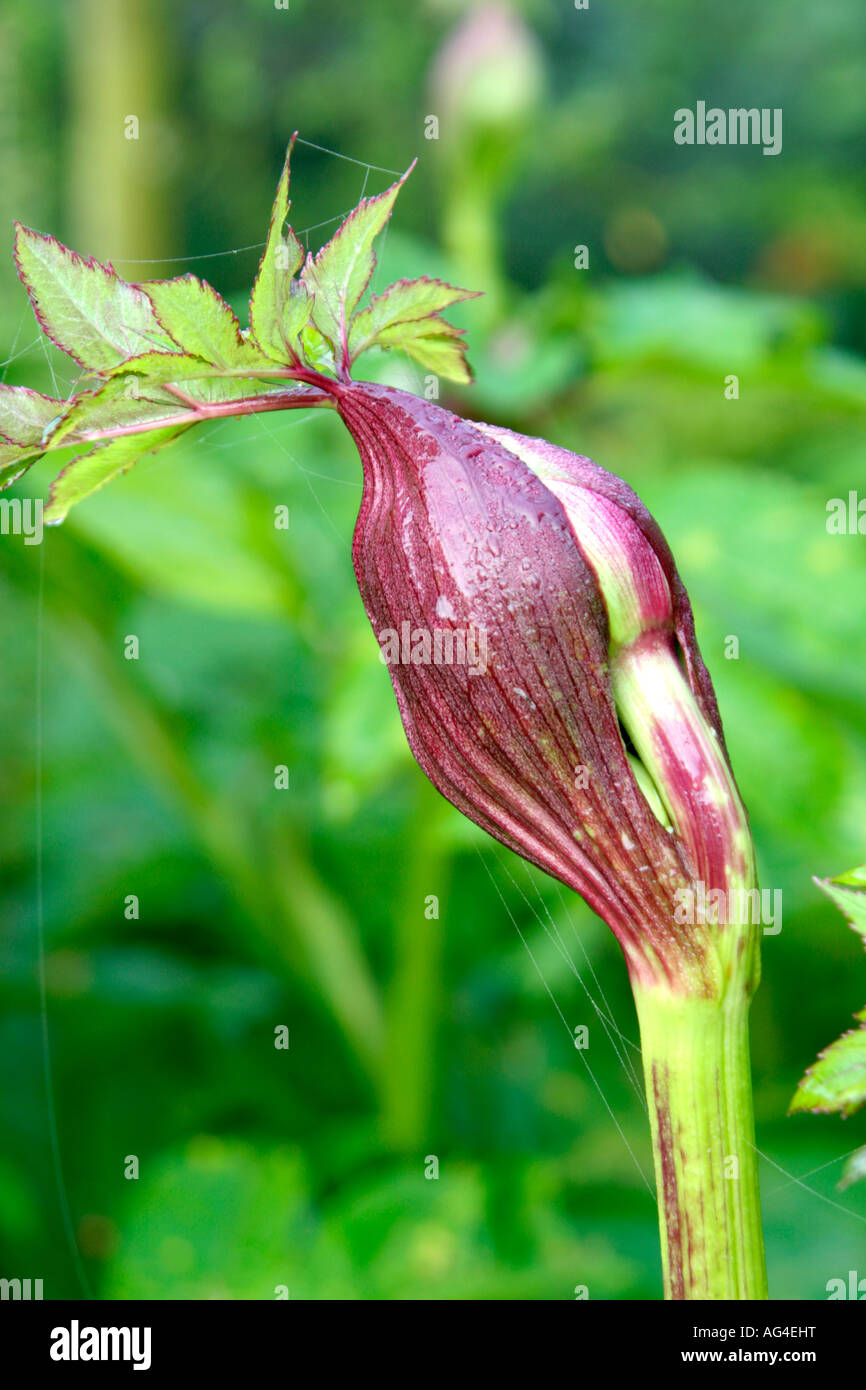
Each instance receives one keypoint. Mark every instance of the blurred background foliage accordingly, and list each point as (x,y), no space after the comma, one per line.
(413,1035)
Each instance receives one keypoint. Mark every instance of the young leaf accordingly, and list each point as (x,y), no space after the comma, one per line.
(848,892)
(127,402)
(837,1080)
(122,403)
(396,334)
(441,356)
(296,317)
(317,350)
(200,322)
(158,367)
(15,459)
(279,305)
(432,343)
(84,307)
(220,390)
(402,302)
(86,474)
(25,415)
(340,273)
(164,367)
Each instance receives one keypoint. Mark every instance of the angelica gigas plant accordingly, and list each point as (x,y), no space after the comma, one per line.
(580,727)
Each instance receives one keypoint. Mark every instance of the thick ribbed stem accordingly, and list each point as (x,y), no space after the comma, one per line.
(698,1081)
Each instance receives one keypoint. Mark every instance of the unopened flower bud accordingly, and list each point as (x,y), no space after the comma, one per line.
(488,73)
(590,648)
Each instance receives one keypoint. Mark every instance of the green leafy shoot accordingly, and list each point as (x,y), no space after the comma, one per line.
(164,355)
(837,1080)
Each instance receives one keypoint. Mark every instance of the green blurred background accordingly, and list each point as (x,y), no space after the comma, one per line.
(413,1035)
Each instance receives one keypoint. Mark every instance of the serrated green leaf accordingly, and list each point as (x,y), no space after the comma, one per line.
(15,459)
(848,892)
(91,471)
(338,276)
(129,400)
(214,390)
(25,415)
(441,356)
(279,305)
(196,380)
(442,351)
(317,350)
(837,1081)
(432,327)
(296,315)
(402,302)
(200,322)
(120,403)
(160,367)
(84,307)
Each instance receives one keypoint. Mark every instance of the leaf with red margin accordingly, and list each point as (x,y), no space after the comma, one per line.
(158,367)
(279,304)
(91,471)
(25,415)
(134,403)
(432,343)
(403,302)
(15,459)
(200,322)
(121,403)
(837,1080)
(340,273)
(83,306)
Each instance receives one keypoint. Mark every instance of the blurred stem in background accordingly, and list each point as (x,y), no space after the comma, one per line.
(121,145)
(485,85)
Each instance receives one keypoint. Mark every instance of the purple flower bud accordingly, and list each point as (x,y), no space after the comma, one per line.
(588,643)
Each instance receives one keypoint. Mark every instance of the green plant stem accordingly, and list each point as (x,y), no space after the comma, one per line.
(698,1081)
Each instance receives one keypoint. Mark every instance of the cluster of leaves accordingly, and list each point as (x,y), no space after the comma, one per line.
(162,356)
(837,1080)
